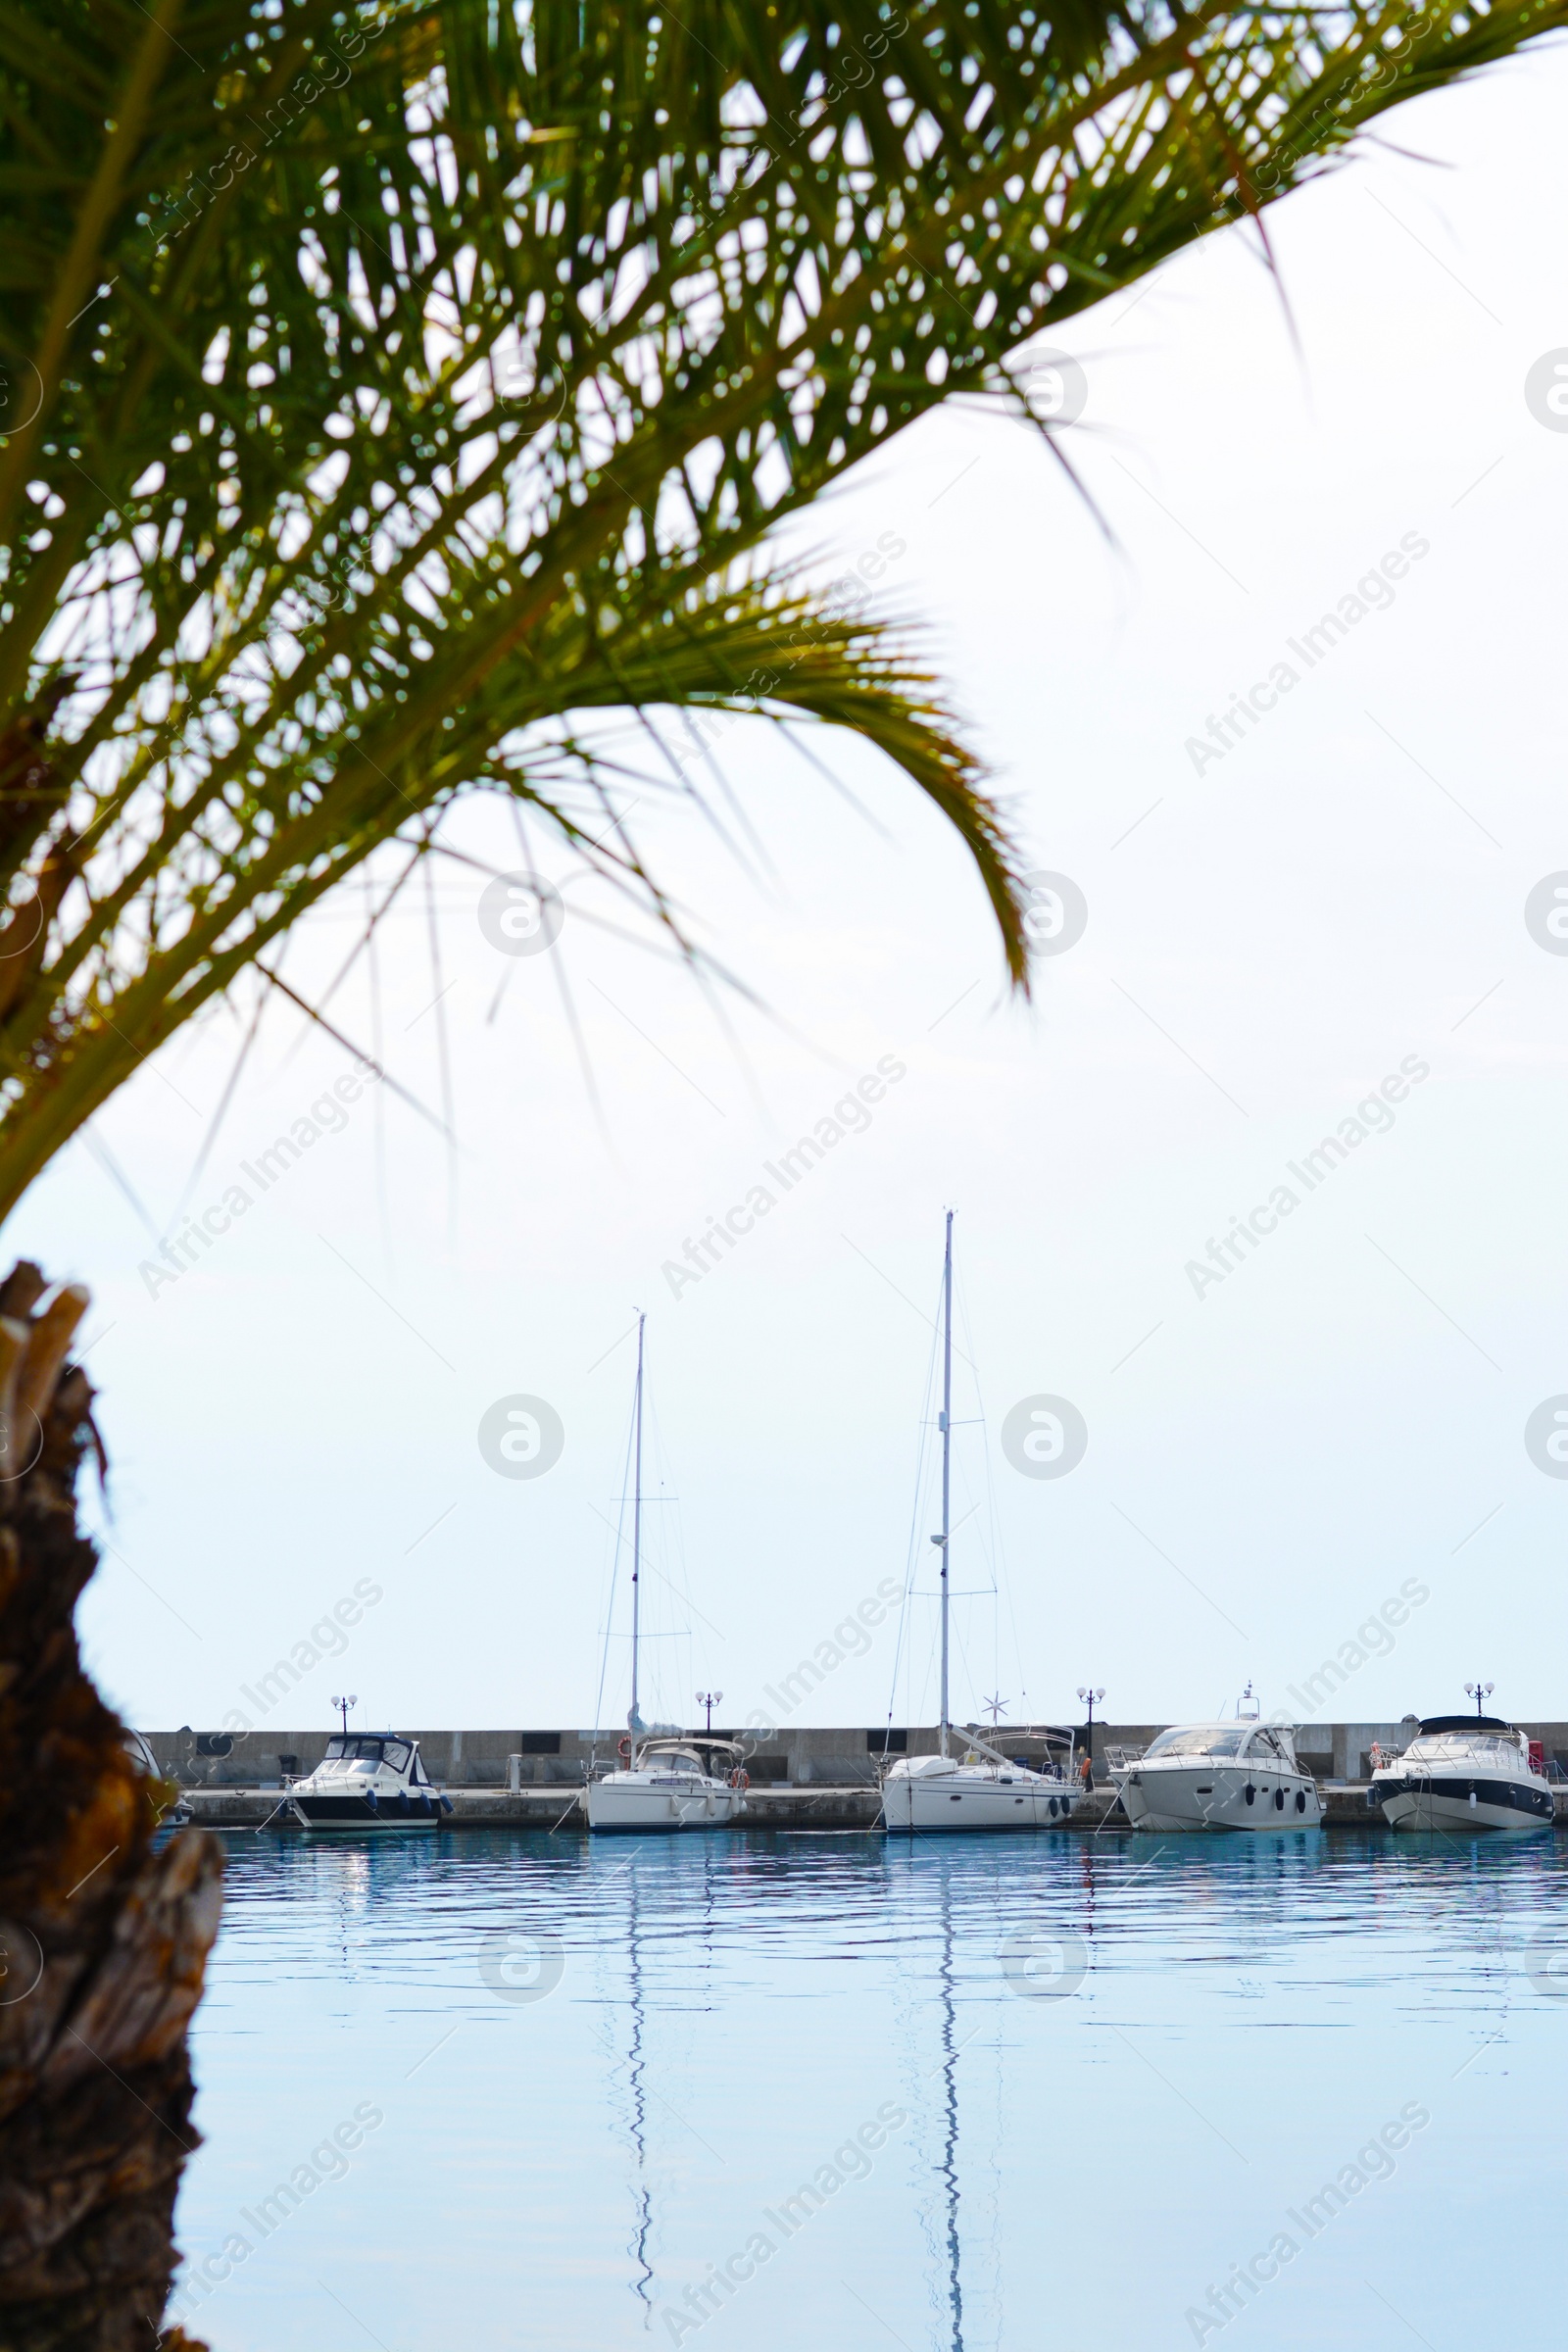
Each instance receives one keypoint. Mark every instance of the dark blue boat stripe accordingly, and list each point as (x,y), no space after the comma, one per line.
(336,1808)
(1515,1795)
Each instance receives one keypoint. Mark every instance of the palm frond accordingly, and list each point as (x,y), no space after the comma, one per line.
(761,644)
(383,385)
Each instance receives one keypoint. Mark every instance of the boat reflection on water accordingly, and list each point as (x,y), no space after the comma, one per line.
(957,2147)
(634,1901)
(961,2032)
(948,2169)
(637,2107)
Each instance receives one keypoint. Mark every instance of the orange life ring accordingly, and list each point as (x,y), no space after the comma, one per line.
(624,1749)
(740,1777)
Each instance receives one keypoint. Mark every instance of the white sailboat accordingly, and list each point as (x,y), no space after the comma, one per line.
(978,1787)
(668,1779)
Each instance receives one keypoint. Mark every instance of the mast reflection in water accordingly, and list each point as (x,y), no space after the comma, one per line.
(573,2158)
(950,2101)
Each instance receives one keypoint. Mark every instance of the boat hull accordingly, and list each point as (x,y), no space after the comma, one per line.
(1181,1800)
(935,1802)
(1462,1805)
(660,1812)
(324,1815)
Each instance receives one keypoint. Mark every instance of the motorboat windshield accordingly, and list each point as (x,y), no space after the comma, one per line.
(1266,1743)
(1201,1740)
(1483,1747)
(363,1748)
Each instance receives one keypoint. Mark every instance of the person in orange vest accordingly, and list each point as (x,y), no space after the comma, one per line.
(1086,1772)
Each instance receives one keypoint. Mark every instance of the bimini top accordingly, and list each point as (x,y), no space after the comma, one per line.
(702,1747)
(1222,1740)
(1464,1723)
(372,1748)
(1052,1735)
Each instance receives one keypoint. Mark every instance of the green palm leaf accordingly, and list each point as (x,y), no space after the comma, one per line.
(386,388)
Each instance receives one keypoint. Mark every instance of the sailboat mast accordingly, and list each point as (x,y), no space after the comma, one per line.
(946,1455)
(637,1521)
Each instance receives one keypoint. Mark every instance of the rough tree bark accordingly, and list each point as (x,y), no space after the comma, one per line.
(103,1941)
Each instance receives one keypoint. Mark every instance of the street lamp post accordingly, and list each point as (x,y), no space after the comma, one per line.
(1085,1693)
(344,1704)
(1478,1692)
(708,1699)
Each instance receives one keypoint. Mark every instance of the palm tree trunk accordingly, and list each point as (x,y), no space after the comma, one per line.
(103,1940)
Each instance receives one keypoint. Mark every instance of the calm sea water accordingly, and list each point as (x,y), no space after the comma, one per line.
(1046,2093)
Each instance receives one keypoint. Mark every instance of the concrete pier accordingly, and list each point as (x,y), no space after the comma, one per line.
(801,1779)
(818,1808)
(1099,1814)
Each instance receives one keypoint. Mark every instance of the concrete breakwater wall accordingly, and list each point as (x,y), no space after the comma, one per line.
(795,1759)
(480,1759)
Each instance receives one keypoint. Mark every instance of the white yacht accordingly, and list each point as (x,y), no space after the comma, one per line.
(666,1779)
(671,1782)
(170,1803)
(367,1781)
(976,1787)
(1465,1773)
(1242,1775)
(977,1790)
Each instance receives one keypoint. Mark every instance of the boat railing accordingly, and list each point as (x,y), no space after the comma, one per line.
(988,1752)
(1119,1758)
(1464,1759)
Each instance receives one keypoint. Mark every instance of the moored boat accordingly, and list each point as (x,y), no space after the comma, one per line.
(671,1783)
(367,1781)
(174,1809)
(1465,1773)
(1242,1774)
(666,1779)
(978,1789)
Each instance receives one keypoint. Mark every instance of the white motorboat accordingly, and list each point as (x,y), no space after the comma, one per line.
(367,1781)
(172,1807)
(979,1787)
(666,1779)
(671,1783)
(1465,1773)
(1242,1775)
